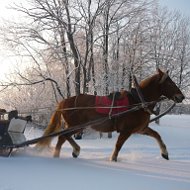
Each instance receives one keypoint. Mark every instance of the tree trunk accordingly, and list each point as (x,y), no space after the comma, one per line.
(74,51)
(66,63)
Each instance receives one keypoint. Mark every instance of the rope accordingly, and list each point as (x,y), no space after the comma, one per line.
(95,107)
(108,107)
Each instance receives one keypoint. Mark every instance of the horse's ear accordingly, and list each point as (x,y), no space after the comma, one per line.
(162,76)
(159,72)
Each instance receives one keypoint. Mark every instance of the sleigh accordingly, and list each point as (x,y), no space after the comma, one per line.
(11,133)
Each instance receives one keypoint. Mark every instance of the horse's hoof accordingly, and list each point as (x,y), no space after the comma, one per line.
(165,156)
(113,159)
(56,154)
(76,153)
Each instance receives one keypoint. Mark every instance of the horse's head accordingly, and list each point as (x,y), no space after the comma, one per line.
(168,87)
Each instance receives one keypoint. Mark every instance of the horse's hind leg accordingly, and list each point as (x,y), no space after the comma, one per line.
(76,147)
(61,140)
(150,132)
(120,141)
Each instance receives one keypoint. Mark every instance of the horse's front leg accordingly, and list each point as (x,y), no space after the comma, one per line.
(120,141)
(150,132)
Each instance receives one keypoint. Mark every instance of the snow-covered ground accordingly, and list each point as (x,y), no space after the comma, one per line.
(139,166)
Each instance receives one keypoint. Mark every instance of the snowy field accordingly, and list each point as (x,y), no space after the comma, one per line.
(139,166)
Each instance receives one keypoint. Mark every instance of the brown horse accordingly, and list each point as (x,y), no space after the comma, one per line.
(126,124)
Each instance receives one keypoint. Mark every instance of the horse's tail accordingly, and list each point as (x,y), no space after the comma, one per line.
(53,126)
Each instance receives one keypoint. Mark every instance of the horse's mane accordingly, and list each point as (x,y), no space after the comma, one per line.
(147,81)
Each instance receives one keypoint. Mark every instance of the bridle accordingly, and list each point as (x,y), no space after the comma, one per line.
(141,97)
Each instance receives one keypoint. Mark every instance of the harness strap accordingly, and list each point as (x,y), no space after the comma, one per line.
(112,104)
(145,107)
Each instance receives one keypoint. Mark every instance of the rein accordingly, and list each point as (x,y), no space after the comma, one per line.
(134,107)
(112,107)
(162,114)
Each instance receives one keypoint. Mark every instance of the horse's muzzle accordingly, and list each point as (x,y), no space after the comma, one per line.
(178,98)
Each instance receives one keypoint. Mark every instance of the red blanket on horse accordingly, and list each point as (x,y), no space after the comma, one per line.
(104,105)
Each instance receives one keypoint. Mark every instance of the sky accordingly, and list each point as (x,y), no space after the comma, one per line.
(182,5)
(6,63)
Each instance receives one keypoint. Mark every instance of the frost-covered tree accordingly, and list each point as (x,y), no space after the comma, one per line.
(86,46)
